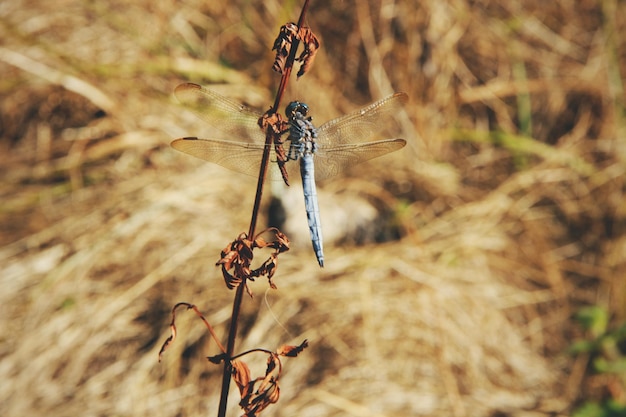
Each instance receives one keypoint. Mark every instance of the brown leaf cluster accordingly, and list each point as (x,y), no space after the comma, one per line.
(237,256)
(311,45)
(257,394)
(273,124)
(284,44)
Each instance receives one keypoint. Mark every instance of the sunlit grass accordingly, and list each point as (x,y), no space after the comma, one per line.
(508,200)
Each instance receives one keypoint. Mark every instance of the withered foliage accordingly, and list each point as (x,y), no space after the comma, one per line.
(274,124)
(172,337)
(257,394)
(237,256)
(311,45)
(284,44)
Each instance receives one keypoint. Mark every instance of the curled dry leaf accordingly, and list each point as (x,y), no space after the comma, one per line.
(269,268)
(282,242)
(230,280)
(172,336)
(271,265)
(281,159)
(284,44)
(311,45)
(273,124)
(217,359)
(259,242)
(258,394)
(292,351)
(237,256)
(263,391)
(167,342)
(241,375)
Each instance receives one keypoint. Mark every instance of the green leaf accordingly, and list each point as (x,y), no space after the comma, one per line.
(593,318)
(583,346)
(606,366)
(610,408)
(589,410)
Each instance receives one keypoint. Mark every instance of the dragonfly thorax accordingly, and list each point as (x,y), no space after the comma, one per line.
(302,135)
(296,107)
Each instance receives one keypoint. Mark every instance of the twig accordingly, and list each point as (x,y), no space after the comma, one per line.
(269,136)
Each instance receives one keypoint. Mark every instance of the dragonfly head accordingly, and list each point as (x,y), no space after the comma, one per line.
(296,106)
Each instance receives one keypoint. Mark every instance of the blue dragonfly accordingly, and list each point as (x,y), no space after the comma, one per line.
(323,152)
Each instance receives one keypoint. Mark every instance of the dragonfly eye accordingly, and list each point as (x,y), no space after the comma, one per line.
(296,106)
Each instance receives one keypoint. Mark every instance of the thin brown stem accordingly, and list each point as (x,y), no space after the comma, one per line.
(232,334)
(268,136)
(230,348)
(259,186)
(292,56)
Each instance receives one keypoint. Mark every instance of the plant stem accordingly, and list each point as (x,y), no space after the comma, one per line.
(230,348)
(232,334)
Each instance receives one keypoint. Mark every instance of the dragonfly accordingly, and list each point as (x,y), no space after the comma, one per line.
(322,152)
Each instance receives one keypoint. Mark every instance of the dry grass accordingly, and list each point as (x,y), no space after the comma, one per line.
(509,203)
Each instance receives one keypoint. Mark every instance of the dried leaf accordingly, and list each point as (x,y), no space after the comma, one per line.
(259,393)
(245,249)
(227,259)
(292,351)
(237,255)
(271,265)
(230,280)
(274,367)
(217,359)
(172,337)
(259,242)
(274,124)
(264,391)
(167,343)
(311,45)
(256,399)
(249,291)
(283,242)
(241,375)
(271,283)
(281,160)
(283,45)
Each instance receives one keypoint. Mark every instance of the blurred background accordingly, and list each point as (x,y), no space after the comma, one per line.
(477,272)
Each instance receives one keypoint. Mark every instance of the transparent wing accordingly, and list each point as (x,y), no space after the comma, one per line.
(330,161)
(362,124)
(245,157)
(229,117)
(335,151)
(240,157)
